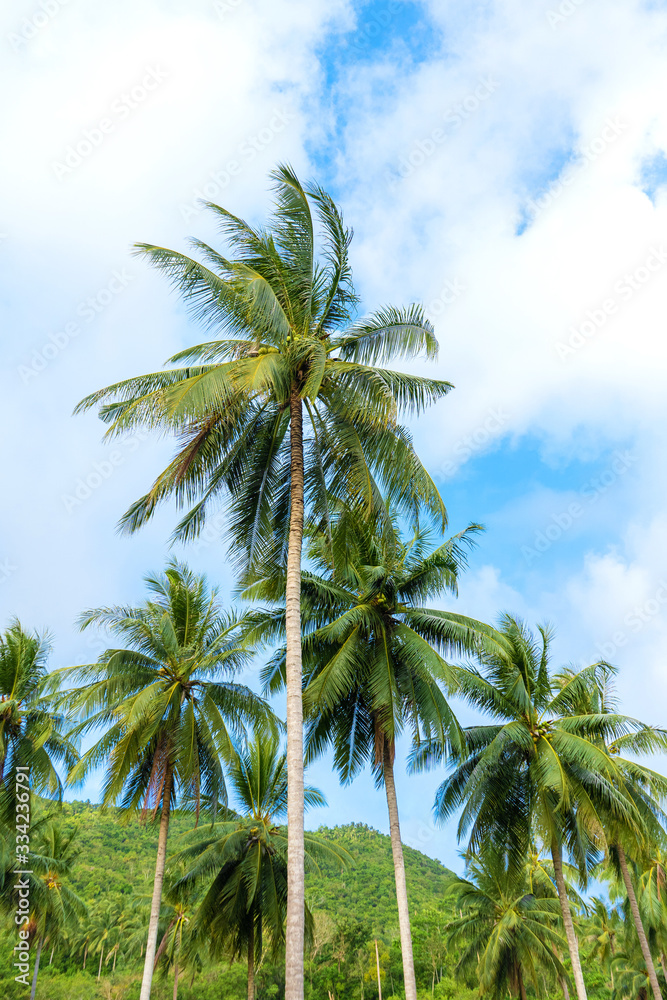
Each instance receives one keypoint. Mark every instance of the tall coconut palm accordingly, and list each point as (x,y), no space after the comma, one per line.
(370,666)
(169,706)
(177,917)
(54,904)
(31,731)
(603,931)
(507,932)
(644,787)
(537,769)
(243,862)
(653,901)
(287,411)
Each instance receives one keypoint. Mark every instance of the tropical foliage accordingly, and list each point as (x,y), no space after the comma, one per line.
(186,881)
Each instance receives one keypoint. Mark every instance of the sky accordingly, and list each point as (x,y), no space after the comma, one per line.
(503,161)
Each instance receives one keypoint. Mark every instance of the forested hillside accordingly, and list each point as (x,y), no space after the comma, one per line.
(352,909)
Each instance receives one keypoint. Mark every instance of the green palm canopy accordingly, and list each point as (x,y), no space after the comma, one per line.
(282,308)
(31,730)
(507,933)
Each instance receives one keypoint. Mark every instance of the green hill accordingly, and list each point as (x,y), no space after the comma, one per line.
(352,908)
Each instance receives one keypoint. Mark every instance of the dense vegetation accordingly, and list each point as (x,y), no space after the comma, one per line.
(200,879)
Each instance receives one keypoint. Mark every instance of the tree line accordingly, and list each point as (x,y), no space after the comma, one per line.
(335,528)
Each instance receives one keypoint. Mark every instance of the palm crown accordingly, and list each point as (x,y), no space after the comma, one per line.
(243,862)
(507,931)
(291,316)
(371,660)
(31,732)
(168,709)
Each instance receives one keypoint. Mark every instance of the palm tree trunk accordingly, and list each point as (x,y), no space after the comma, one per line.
(410,982)
(572,943)
(522,985)
(115,955)
(641,933)
(563,986)
(377,962)
(85,955)
(176,980)
(151,941)
(664,965)
(251,962)
(51,955)
(294,929)
(34,975)
(99,968)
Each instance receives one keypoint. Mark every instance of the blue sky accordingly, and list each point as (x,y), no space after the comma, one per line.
(502,162)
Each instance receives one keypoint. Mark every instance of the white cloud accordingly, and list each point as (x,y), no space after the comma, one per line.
(511,96)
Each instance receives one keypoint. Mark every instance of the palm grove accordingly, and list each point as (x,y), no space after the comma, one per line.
(289,420)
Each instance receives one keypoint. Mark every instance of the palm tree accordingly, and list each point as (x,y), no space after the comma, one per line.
(603,929)
(645,788)
(54,905)
(31,733)
(507,931)
(168,712)
(178,916)
(369,664)
(103,928)
(538,768)
(246,901)
(653,901)
(291,410)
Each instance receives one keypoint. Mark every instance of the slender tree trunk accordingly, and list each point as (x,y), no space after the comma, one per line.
(377,962)
(176,980)
(294,930)
(85,956)
(663,965)
(522,985)
(410,982)
(34,975)
(99,967)
(151,941)
(51,955)
(115,956)
(563,986)
(572,943)
(251,962)
(641,933)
